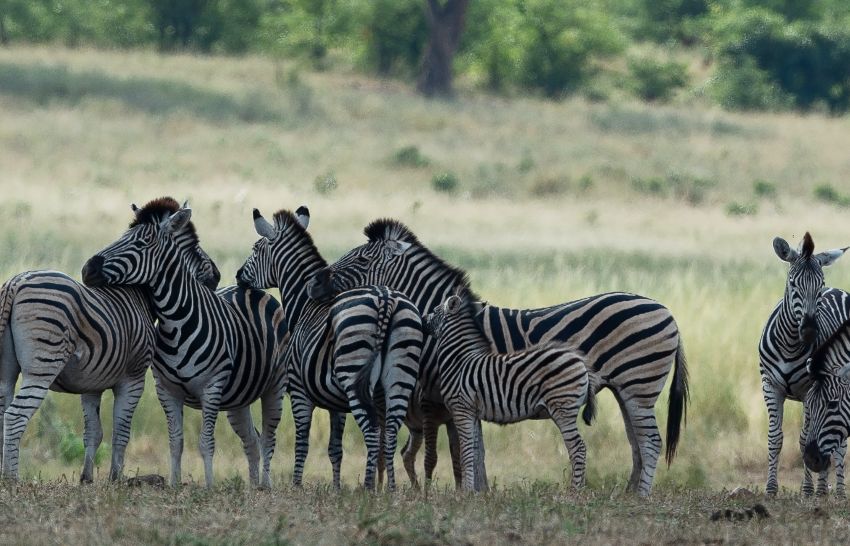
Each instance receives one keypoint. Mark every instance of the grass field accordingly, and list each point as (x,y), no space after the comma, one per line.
(555,201)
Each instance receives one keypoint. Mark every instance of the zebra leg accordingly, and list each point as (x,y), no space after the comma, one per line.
(210,403)
(807,488)
(649,440)
(382,461)
(243,424)
(454,451)
(15,419)
(566,420)
(480,469)
(429,430)
(775,402)
(464,419)
(302,413)
(838,460)
(392,423)
(92,435)
(272,403)
(371,437)
(335,445)
(408,456)
(9,372)
(127,396)
(173,408)
(637,463)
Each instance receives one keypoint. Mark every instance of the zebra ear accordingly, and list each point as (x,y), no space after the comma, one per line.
(136,210)
(303,216)
(784,250)
(844,372)
(178,220)
(826,259)
(809,366)
(453,304)
(397,248)
(263,227)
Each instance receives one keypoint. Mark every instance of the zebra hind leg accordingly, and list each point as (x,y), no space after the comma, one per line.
(210,403)
(9,372)
(637,462)
(272,403)
(92,435)
(566,420)
(127,395)
(430,427)
(649,441)
(173,408)
(335,445)
(15,419)
(775,402)
(838,461)
(243,425)
(408,455)
(806,487)
(302,413)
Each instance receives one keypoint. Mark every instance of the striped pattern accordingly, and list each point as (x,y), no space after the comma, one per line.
(807,315)
(342,352)
(214,351)
(631,342)
(478,383)
(827,404)
(60,335)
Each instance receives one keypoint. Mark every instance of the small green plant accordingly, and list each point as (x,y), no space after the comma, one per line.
(547,186)
(445,182)
(654,80)
(410,156)
(828,194)
(765,189)
(326,183)
(526,163)
(741,209)
(585,183)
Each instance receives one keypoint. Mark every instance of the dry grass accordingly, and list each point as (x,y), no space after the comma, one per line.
(84,133)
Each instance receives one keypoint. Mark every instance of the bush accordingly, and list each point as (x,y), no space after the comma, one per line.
(394,36)
(410,156)
(763,188)
(743,86)
(654,80)
(692,189)
(741,209)
(548,186)
(446,182)
(325,184)
(828,194)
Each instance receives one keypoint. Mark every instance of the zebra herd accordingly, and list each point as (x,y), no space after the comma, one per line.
(392,334)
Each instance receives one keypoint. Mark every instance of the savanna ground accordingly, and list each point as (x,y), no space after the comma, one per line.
(554,201)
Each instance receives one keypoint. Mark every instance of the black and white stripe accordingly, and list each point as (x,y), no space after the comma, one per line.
(214,351)
(62,336)
(341,353)
(477,383)
(630,341)
(808,314)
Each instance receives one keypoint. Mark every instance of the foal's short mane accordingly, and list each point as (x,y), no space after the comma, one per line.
(386,229)
(157,210)
(285,218)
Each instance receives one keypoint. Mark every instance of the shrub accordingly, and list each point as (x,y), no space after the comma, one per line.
(547,186)
(446,182)
(325,183)
(410,156)
(741,209)
(395,33)
(743,86)
(828,194)
(763,188)
(654,80)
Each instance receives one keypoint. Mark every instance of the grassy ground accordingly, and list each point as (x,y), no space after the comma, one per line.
(555,201)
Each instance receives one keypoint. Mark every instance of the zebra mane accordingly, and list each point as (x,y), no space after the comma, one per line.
(285,218)
(157,210)
(817,367)
(386,229)
(808,247)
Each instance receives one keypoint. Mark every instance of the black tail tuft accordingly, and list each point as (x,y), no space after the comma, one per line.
(589,411)
(363,386)
(677,412)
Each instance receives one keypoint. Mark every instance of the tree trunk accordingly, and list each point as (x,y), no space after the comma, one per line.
(445,24)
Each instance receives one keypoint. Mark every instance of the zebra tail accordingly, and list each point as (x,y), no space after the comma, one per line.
(589,411)
(367,377)
(678,402)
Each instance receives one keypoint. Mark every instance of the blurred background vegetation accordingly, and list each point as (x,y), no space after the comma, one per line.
(741,54)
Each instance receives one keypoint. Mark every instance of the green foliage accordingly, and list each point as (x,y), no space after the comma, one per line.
(741,209)
(326,183)
(445,182)
(655,80)
(763,188)
(410,156)
(691,189)
(828,194)
(663,20)
(394,36)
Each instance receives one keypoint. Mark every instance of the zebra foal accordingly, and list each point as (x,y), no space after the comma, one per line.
(478,384)
(214,351)
(807,315)
(342,351)
(62,336)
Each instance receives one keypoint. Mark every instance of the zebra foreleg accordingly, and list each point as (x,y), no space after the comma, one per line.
(272,403)
(15,419)
(807,488)
(408,455)
(454,451)
(92,435)
(302,413)
(127,395)
(464,419)
(480,468)
(775,403)
(430,426)
(335,445)
(210,404)
(838,460)
(243,424)
(173,408)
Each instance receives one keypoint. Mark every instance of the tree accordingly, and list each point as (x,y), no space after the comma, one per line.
(445,25)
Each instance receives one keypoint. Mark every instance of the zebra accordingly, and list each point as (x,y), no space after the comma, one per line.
(807,314)
(65,337)
(827,402)
(631,341)
(339,351)
(551,380)
(213,351)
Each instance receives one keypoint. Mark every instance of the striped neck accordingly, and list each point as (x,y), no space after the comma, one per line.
(293,269)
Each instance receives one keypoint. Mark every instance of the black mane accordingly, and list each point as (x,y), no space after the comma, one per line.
(157,210)
(385,229)
(285,218)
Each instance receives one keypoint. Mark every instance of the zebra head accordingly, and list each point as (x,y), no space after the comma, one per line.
(159,226)
(435,321)
(827,408)
(276,258)
(805,282)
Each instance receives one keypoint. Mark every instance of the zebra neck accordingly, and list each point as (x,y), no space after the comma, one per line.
(463,337)
(788,334)
(293,287)
(174,292)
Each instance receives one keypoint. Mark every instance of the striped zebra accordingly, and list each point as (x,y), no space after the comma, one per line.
(214,351)
(631,342)
(341,352)
(62,336)
(827,402)
(477,383)
(807,314)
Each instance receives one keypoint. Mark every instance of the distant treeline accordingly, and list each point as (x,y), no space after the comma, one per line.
(762,54)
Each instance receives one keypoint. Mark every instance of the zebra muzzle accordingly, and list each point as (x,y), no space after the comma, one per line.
(814,459)
(92,272)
